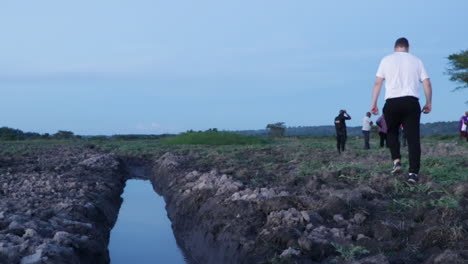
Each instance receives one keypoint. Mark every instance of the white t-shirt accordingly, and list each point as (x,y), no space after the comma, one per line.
(366,126)
(403,73)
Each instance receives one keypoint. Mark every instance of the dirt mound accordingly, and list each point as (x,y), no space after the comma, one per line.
(343,215)
(58,206)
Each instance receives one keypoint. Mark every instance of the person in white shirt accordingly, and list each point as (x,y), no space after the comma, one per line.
(403,73)
(366,127)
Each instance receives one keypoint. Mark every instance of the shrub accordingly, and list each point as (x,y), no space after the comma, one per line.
(7,133)
(62,134)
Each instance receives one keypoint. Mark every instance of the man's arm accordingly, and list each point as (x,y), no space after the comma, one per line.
(375,95)
(428,91)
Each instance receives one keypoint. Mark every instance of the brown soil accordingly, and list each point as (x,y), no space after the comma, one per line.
(58,205)
(226,213)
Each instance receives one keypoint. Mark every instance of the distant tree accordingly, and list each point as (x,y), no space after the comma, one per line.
(45,136)
(7,133)
(276,129)
(62,134)
(32,135)
(458,68)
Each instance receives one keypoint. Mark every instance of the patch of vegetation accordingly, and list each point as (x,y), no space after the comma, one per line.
(349,253)
(446,170)
(406,203)
(130,147)
(309,168)
(29,146)
(212,137)
(446,201)
(11,134)
(456,233)
(349,171)
(404,187)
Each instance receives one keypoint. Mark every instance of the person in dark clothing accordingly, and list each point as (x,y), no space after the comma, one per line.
(463,126)
(382,131)
(340,127)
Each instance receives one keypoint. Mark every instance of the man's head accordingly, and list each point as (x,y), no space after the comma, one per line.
(466,113)
(368,114)
(342,112)
(402,44)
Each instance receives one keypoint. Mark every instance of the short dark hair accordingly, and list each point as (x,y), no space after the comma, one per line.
(402,42)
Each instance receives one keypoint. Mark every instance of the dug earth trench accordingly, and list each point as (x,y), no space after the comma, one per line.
(58,205)
(325,219)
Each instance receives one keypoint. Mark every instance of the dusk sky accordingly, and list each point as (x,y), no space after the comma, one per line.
(148,66)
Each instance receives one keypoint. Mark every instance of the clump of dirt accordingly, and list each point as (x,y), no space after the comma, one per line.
(279,206)
(57,205)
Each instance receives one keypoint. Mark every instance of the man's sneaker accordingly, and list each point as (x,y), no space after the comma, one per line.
(396,167)
(412,178)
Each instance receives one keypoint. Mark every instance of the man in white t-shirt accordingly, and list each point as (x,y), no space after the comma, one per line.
(403,73)
(366,127)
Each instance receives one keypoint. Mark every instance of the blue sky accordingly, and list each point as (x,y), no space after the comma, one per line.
(141,66)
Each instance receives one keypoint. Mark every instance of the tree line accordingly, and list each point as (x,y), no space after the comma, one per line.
(7,133)
(428,129)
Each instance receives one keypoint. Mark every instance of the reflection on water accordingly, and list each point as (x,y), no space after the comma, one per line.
(143,232)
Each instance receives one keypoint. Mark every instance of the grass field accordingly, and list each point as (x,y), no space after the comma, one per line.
(443,158)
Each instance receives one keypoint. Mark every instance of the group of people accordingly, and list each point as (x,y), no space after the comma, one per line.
(367,123)
(367,126)
(402,73)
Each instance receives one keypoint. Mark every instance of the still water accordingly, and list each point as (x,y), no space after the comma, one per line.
(143,232)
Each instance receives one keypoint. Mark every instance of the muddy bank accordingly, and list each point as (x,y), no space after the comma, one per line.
(58,205)
(327,218)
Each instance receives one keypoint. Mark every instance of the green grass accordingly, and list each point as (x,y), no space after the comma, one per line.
(212,138)
(27,146)
(350,252)
(445,170)
(131,147)
(404,188)
(445,201)
(309,168)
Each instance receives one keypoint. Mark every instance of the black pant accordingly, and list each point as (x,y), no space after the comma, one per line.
(464,134)
(340,140)
(383,139)
(407,111)
(366,139)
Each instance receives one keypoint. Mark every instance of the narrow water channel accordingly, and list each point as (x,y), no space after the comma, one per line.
(143,232)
